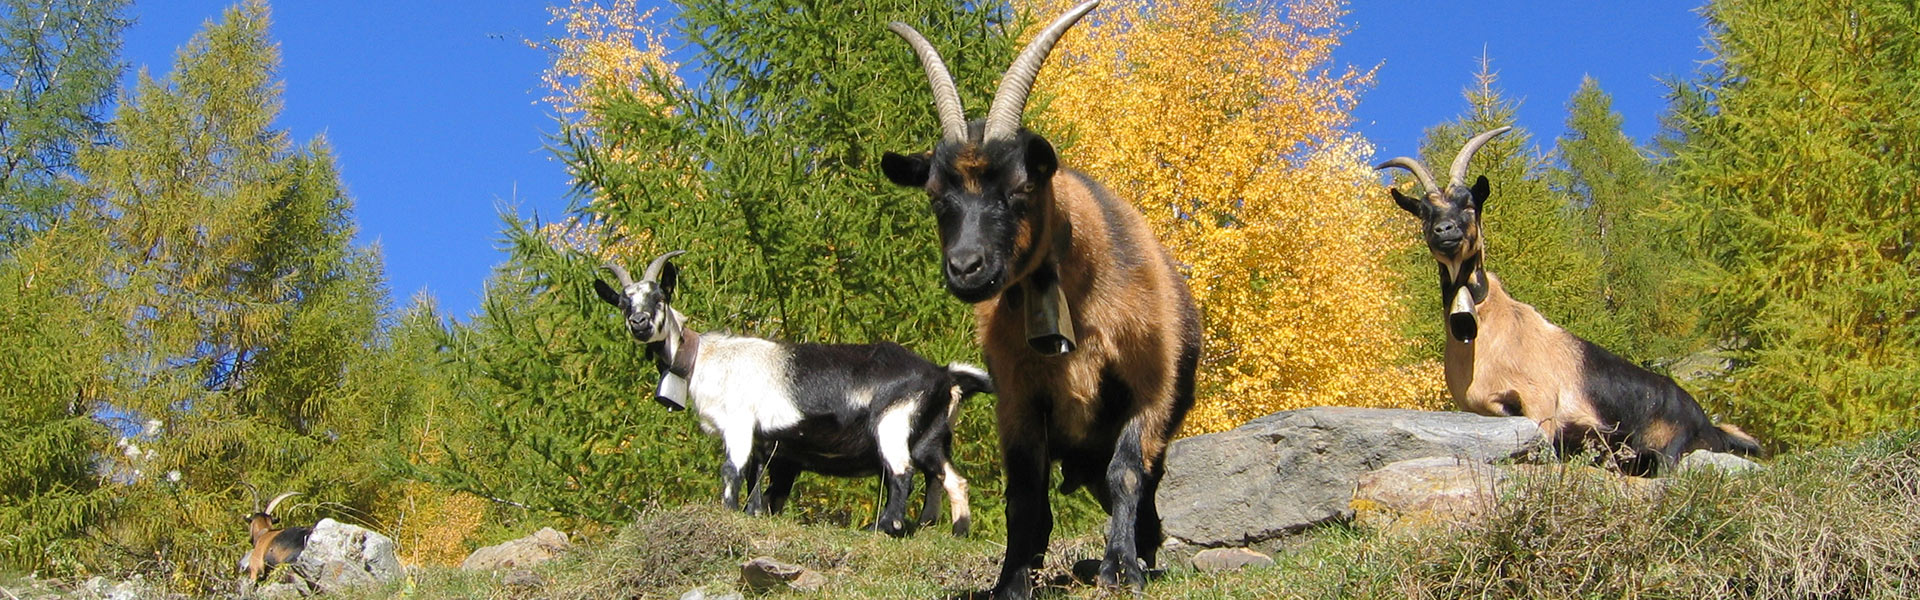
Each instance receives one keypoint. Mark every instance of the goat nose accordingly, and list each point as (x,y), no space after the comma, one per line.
(963,265)
(1444,228)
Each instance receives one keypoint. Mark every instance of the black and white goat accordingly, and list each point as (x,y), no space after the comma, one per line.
(1503,358)
(846,410)
(1087,324)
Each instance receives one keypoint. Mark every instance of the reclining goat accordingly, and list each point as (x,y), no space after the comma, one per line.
(1504,359)
(837,409)
(271,547)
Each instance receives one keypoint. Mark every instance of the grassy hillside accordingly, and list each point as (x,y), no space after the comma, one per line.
(1839,523)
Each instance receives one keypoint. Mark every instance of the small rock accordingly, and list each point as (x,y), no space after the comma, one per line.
(523,578)
(1425,492)
(528,551)
(700,593)
(765,573)
(1725,463)
(1229,559)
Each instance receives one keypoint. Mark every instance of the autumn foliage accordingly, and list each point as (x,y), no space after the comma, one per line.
(1232,136)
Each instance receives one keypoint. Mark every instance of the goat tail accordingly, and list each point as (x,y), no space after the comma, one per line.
(1738,442)
(969,380)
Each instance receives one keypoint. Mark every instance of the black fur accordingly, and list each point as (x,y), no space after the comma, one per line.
(978,210)
(1632,400)
(836,437)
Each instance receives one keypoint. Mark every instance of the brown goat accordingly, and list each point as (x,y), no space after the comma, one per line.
(1503,358)
(272,547)
(1087,325)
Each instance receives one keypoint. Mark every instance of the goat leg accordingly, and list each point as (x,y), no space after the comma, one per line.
(1126,479)
(1029,517)
(893,517)
(780,476)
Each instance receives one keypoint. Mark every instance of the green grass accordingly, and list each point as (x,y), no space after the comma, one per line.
(1837,523)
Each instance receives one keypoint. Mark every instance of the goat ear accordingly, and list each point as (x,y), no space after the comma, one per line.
(1041,161)
(1481,189)
(908,171)
(1407,203)
(669,277)
(608,294)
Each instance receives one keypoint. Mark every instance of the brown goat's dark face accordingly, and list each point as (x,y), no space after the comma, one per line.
(1450,220)
(986,202)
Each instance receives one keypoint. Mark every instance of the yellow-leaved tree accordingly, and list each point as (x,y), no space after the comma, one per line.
(1227,124)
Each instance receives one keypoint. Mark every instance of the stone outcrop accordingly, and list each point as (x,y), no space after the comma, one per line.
(339,555)
(542,546)
(1291,470)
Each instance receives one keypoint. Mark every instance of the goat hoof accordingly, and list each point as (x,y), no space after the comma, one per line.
(895,528)
(961,526)
(1122,572)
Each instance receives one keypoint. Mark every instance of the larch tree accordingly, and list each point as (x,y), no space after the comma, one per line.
(1228,125)
(1614,183)
(58,64)
(59,60)
(1796,183)
(231,304)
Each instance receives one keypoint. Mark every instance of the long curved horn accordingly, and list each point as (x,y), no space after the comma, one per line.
(626,279)
(946,97)
(1457,175)
(1011,99)
(277,499)
(1419,170)
(256,495)
(659,262)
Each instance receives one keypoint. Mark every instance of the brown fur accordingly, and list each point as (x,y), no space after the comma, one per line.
(1122,316)
(1519,354)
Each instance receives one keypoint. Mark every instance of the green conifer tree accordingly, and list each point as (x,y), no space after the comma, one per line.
(229,302)
(1796,183)
(59,60)
(57,66)
(1615,185)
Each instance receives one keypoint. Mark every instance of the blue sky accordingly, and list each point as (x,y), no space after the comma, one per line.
(433,114)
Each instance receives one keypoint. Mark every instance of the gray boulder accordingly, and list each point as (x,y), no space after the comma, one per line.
(1291,470)
(525,552)
(339,555)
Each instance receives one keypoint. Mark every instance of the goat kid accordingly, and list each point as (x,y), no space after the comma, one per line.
(1503,358)
(271,547)
(1086,323)
(847,410)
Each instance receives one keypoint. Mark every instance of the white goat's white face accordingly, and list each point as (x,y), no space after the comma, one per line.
(645,305)
(647,312)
